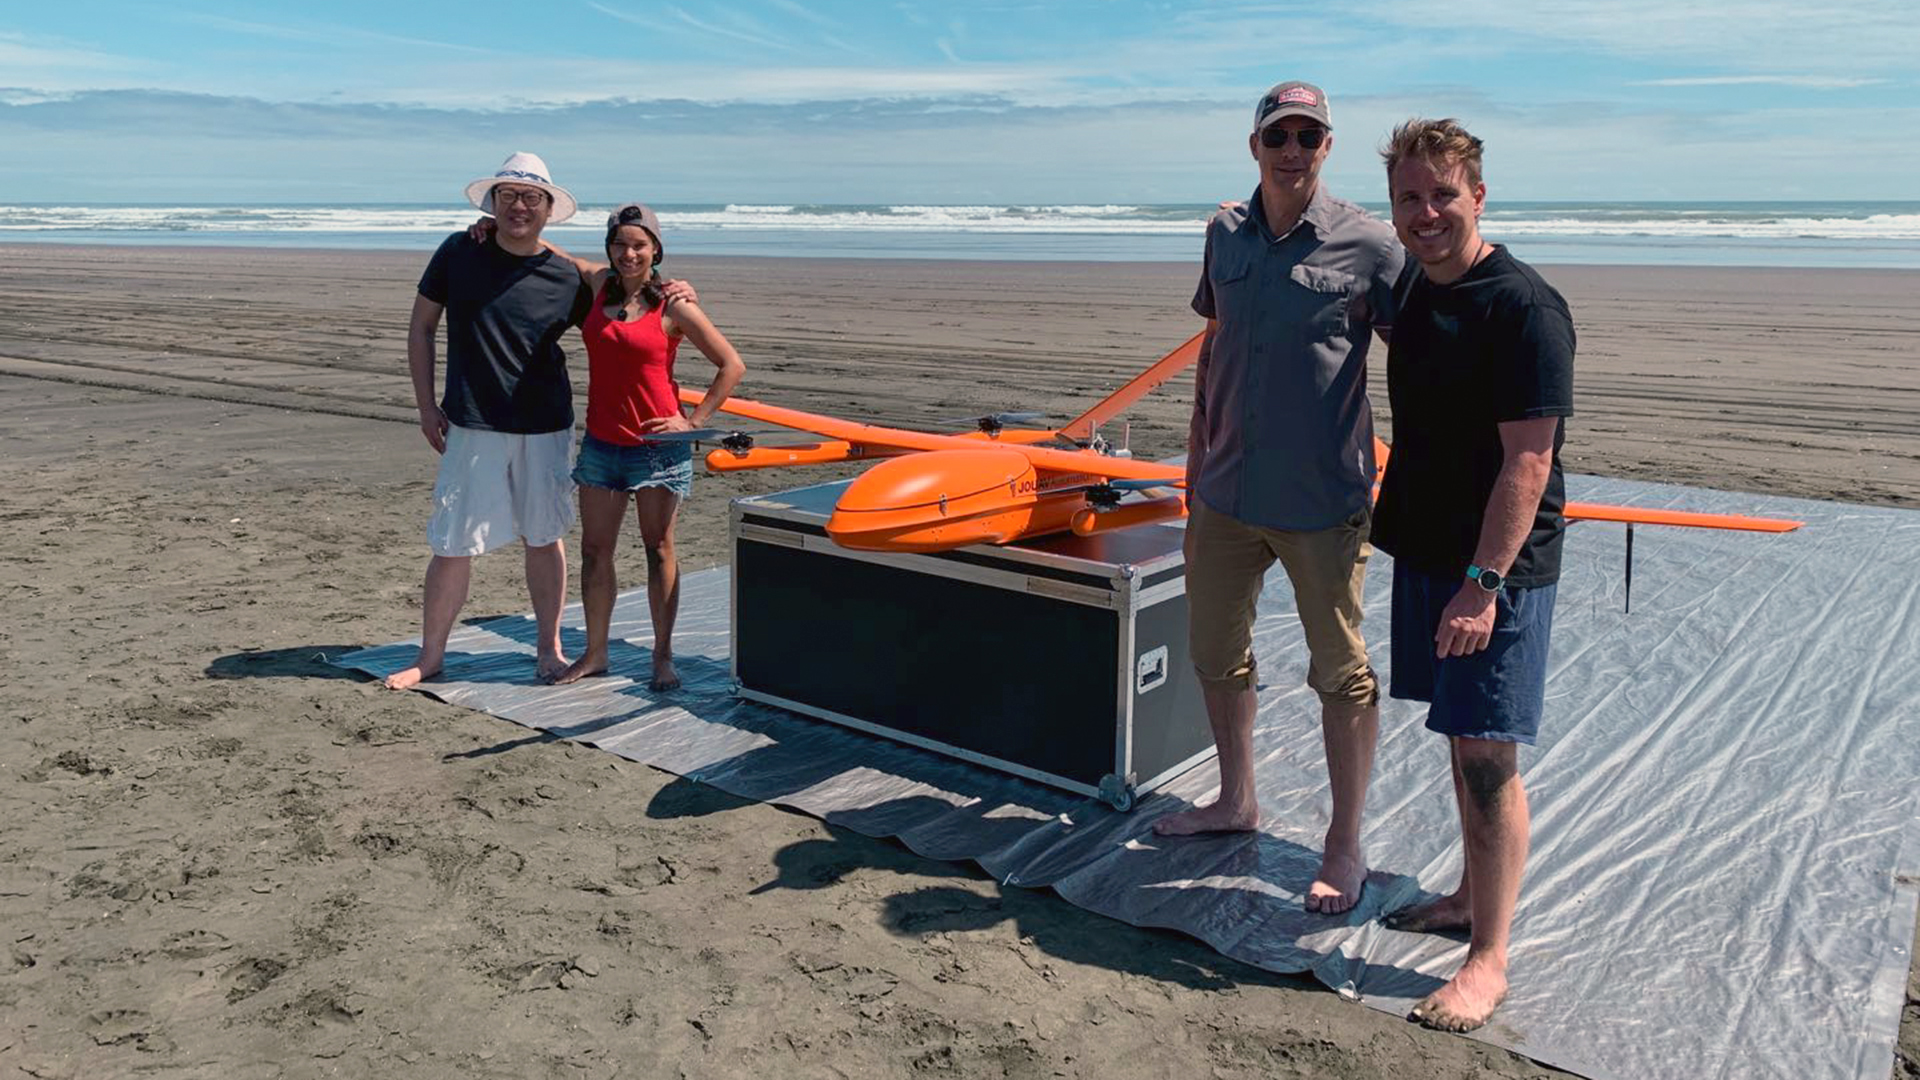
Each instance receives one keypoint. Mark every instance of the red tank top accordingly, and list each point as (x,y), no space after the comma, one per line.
(629,373)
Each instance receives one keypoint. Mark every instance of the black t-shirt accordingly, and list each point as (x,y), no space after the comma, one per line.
(505,315)
(1494,346)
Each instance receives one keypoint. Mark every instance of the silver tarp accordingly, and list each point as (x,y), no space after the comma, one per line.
(1723,873)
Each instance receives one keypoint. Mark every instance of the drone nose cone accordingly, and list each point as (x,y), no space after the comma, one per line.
(936,500)
(920,481)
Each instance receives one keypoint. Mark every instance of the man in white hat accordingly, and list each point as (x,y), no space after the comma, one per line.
(504,427)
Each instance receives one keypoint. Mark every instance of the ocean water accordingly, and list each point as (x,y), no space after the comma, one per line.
(1791,234)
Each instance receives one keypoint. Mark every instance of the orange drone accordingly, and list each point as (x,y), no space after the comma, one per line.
(998,484)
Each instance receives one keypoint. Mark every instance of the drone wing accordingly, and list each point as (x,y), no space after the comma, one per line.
(850,440)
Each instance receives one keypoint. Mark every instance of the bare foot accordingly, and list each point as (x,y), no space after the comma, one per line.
(1468,1001)
(411,677)
(580,669)
(665,678)
(1451,912)
(1213,817)
(1336,888)
(551,666)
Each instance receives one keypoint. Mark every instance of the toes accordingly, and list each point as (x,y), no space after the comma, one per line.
(1443,1020)
(1409,920)
(1440,1016)
(1176,826)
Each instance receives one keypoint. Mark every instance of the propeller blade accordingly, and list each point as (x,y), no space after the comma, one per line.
(1119,485)
(731,438)
(696,435)
(1107,494)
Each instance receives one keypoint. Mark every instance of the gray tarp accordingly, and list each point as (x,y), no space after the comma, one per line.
(1724,835)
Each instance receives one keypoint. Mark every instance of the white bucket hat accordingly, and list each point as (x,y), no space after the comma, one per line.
(527,169)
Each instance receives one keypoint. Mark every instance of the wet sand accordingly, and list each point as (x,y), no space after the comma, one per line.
(225,858)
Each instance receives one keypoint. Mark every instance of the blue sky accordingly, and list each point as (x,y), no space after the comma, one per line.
(989,102)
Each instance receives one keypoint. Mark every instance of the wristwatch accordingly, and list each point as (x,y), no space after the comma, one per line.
(1490,580)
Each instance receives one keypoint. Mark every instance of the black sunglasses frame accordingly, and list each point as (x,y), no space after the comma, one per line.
(1273,137)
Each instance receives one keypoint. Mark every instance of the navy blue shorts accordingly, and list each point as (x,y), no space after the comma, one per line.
(629,468)
(1497,693)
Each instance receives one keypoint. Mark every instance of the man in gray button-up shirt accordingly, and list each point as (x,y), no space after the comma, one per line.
(1280,464)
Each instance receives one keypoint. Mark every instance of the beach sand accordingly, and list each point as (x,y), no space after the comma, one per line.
(225,858)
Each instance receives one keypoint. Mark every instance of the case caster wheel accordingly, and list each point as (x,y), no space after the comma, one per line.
(1116,792)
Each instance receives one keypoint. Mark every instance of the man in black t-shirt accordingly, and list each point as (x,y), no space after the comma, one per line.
(1480,379)
(504,429)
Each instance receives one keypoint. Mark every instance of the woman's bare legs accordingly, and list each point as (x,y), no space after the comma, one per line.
(657,509)
(601,512)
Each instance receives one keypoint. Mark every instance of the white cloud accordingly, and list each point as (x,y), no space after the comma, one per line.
(934,150)
(16,96)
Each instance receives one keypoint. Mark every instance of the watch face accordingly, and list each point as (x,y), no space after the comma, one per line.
(1490,580)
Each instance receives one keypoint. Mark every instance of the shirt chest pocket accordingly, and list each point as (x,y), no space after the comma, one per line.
(1325,298)
(1230,277)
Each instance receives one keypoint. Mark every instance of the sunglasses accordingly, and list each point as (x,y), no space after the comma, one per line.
(1273,137)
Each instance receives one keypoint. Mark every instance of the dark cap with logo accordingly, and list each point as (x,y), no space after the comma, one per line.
(1293,99)
(640,214)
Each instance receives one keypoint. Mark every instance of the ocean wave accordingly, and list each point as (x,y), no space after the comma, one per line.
(230,219)
(1116,221)
(1708,225)
(1572,223)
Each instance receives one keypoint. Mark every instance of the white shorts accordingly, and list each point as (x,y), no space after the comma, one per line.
(495,488)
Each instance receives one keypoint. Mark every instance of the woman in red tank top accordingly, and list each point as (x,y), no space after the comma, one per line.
(632,334)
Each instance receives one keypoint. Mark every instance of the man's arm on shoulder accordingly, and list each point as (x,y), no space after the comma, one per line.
(422,328)
(592,273)
(677,291)
(1527,446)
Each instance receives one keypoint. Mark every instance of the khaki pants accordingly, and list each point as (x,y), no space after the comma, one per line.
(1227,562)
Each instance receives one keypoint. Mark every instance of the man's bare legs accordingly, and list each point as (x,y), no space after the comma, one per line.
(547,588)
(656,509)
(1453,911)
(448,577)
(1495,825)
(601,512)
(1230,713)
(1350,733)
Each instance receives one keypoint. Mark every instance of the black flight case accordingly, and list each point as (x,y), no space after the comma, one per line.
(1062,659)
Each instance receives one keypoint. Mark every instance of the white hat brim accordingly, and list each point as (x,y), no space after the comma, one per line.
(480,194)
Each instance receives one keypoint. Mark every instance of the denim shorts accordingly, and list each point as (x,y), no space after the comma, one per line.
(629,468)
(1497,693)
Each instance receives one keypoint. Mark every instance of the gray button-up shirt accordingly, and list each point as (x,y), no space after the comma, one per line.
(1281,419)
